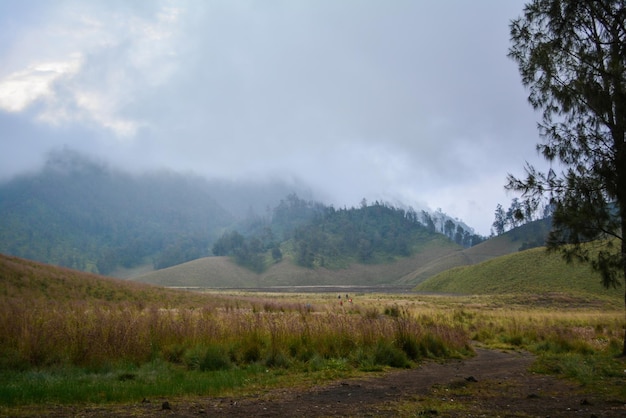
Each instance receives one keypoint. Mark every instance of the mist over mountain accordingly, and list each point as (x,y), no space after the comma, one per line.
(84,214)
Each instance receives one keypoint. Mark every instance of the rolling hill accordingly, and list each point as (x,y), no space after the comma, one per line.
(432,256)
(436,255)
(81,213)
(534,271)
(530,234)
(216,272)
(26,280)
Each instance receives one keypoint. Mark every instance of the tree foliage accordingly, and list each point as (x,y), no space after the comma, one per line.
(368,234)
(315,235)
(81,214)
(518,214)
(572,57)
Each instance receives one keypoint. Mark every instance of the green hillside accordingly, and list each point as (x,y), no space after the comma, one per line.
(26,280)
(531,271)
(531,234)
(223,272)
(432,255)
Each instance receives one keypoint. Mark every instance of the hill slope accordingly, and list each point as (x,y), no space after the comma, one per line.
(530,234)
(79,213)
(26,280)
(222,272)
(435,255)
(531,271)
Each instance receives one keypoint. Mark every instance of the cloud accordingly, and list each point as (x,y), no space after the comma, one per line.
(410,101)
(108,57)
(23,88)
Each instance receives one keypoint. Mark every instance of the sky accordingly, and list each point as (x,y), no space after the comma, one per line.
(410,102)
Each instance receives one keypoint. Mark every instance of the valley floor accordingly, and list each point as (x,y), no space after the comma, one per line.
(493,383)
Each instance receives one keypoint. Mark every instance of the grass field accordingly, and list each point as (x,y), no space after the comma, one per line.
(237,342)
(70,338)
(532,271)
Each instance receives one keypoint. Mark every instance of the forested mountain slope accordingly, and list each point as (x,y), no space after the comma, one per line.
(79,213)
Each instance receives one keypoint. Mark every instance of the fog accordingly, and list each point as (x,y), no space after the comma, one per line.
(411,102)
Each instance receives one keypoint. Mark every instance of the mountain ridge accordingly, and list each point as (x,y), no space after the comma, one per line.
(83,214)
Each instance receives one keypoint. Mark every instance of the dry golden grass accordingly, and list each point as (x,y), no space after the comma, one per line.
(54,318)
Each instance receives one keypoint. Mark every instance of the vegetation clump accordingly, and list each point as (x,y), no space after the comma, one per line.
(315,235)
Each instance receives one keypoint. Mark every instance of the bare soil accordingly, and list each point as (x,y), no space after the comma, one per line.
(491,384)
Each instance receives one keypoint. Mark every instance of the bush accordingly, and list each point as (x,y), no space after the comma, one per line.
(433,346)
(410,344)
(364,360)
(249,349)
(209,358)
(393,311)
(277,359)
(387,354)
(215,358)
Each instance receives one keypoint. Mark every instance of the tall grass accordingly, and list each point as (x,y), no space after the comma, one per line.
(47,333)
(49,348)
(225,334)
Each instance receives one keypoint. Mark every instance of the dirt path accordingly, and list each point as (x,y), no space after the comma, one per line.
(492,384)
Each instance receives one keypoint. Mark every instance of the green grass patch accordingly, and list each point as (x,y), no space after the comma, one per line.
(533,271)
(602,372)
(118,384)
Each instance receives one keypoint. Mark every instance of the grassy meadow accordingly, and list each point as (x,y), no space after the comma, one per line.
(534,271)
(71,338)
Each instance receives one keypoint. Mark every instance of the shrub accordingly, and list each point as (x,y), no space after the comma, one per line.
(387,354)
(315,363)
(249,349)
(364,360)
(277,359)
(432,345)
(173,353)
(393,311)
(410,344)
(215,358)
(207,358)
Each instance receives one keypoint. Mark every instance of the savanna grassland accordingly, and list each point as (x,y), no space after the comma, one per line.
(67,338)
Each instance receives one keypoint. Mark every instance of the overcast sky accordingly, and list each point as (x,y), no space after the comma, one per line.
(403,101)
